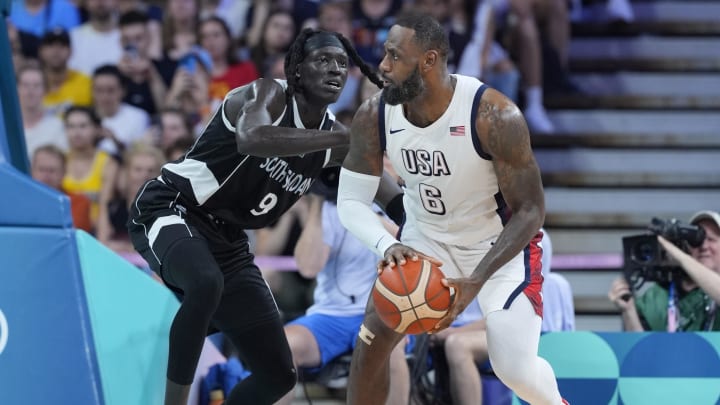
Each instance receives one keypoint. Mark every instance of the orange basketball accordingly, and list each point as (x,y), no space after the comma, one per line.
(411,298)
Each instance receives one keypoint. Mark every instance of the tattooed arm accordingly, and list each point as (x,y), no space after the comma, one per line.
(365,155)
(504,135)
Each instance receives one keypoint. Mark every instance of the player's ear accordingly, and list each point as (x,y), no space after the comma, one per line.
(431,57)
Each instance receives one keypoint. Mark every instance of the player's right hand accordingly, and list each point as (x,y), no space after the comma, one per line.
(399,254)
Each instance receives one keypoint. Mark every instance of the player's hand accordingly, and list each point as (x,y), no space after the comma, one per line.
(466,290)
(620,294)
(398,254)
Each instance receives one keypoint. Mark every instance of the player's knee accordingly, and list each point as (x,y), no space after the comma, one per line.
(283,380)
(512,372)
(457,349)
(190,266)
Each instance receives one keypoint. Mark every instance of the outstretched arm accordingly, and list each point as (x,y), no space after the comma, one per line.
(704,277)
(253,111)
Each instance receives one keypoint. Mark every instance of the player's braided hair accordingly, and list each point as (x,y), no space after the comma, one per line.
(296,54)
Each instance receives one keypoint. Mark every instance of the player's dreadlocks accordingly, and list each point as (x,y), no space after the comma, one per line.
(296,54)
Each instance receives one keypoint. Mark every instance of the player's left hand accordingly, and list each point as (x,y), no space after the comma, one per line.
(466,290)
(398,254)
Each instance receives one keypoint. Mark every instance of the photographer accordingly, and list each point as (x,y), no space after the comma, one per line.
(686,304)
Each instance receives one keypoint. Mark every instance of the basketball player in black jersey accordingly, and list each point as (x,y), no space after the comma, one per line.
(257,156)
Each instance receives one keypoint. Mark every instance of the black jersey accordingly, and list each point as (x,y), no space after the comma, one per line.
(244,190)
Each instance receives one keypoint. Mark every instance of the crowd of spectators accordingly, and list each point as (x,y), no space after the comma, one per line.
(120,87)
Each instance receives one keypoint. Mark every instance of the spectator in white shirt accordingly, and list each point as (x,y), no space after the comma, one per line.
(97,42)
(40,127)
(122,122)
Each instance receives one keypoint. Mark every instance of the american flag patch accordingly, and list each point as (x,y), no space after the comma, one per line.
(457,131)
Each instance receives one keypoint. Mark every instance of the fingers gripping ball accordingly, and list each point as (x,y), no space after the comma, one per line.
(411,298)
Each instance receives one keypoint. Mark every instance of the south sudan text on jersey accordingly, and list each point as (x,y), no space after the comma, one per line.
(278,170)
(426,163)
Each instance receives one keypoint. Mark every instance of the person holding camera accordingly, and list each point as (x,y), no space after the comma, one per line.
(689,302)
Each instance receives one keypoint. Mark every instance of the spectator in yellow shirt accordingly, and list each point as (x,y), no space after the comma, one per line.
(66,87)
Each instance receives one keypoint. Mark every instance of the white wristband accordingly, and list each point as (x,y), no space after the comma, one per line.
(384,244)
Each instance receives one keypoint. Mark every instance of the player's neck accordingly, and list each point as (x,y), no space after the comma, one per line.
(311,113)
(432,103)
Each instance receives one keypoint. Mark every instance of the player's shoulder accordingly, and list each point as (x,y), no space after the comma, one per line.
(262,87)
(493,100)
(499,120)
(266,91)
(271,86)
(495,108)
(369,107)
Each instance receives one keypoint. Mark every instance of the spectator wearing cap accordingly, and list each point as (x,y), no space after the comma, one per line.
(97,42)
(40,127)
(688,304)
(37,17)
(65,87)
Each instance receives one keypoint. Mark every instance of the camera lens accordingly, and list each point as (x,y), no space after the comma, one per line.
(643,253)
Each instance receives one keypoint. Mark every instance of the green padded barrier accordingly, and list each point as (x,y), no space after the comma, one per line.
(130,315)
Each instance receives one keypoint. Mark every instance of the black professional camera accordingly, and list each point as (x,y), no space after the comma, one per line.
(646,260)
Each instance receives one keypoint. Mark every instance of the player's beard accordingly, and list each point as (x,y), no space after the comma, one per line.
(405,91)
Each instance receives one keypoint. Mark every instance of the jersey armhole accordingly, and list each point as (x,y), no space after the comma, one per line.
(473,119)
(228,124)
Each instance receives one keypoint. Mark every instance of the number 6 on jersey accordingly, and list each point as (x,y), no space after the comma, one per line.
(430,196)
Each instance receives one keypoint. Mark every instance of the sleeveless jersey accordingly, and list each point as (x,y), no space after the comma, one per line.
(452,192)
(91,184)
(244,190)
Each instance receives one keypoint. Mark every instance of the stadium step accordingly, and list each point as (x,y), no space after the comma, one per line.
(568,241)
(588,208)
(629,168)
(633,90)
(632,129)
(644,53)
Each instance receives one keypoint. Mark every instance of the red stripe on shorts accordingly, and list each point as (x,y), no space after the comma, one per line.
(534,289)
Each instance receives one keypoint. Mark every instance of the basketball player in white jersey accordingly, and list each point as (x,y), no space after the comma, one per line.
(473,200)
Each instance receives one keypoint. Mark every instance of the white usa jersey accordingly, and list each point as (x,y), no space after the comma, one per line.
(452,193)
